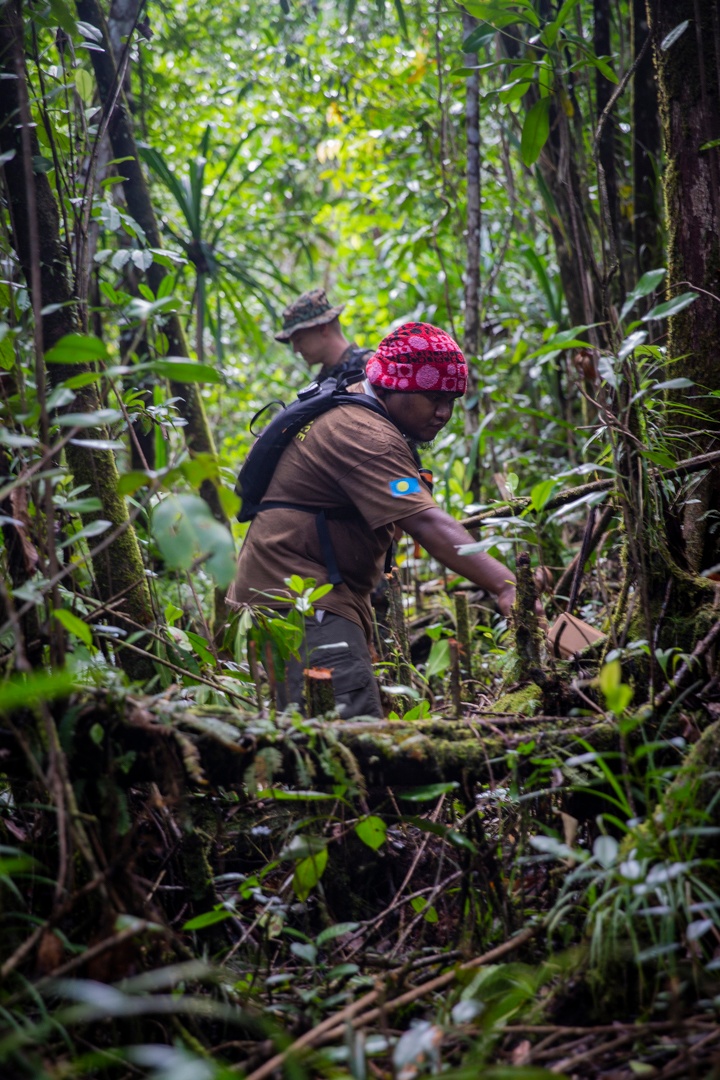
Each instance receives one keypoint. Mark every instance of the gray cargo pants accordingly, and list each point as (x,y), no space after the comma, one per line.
(339,644)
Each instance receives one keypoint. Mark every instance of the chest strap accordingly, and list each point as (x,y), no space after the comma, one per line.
(322,516)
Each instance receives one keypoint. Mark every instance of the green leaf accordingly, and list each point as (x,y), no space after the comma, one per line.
(418,904)
(542,493)
(74,625)
(308,872)
(671,307)
(438,660)
(178,369)
(428,791)
(372,831)
(76,349)
(63,16)
(674,34)
(84,85)
(95,528)
(478,37)
(647,284)
(185,530)
(89,419)
(132,481)
(338,930)
(536,129)
(673,384)
(20,691)
(208,919)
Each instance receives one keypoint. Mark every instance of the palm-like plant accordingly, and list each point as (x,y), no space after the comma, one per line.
(205,219)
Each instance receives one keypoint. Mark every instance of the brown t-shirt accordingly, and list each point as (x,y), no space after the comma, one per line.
(348,457)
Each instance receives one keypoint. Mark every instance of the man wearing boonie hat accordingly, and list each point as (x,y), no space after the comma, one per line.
(359,467)
(312,328)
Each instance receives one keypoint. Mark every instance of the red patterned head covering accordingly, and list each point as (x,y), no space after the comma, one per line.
(418,357)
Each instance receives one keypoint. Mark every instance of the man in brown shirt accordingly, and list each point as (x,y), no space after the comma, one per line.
(358,464)
(311,326)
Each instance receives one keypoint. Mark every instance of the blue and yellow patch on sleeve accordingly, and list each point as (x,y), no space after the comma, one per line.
(405,485)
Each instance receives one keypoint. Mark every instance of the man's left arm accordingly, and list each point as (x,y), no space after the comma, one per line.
(441,536)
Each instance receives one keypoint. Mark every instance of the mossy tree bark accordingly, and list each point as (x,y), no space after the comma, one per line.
(647,233)
(118,569)
(198,436)
(689,96)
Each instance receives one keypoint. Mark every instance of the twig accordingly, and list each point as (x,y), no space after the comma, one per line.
(509,509)
(335,1025)
(598,532)
(685,669)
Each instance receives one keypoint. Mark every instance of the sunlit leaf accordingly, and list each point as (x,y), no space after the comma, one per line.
(74,625)
(308,872)
(372,831)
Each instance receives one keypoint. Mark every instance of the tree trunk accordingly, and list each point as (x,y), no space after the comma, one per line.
(606,149)
(689,95)
(119,568)
(120,129)
(647,234)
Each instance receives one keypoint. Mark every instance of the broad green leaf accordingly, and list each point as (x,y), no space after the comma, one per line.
(438,661)
(542,493)
(178,369)
(76,349)
(305,950)
(130,482)
(428,791)
(84,85)
(639,337)
(308,872)
(647,284)
(21,690)
(61,13)
(185,530)
(74,625)
(610,676)
(671,307)
(372,831)
(536,129)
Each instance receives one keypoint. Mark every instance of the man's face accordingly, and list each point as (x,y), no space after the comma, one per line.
(311,344)
(419,415)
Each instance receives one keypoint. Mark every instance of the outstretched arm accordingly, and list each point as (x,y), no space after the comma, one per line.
(441,535)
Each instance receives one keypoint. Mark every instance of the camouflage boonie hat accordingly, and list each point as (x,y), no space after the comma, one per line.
(311,309)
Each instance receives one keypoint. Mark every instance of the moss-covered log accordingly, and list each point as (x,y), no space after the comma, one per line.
(118,568)
(171,744)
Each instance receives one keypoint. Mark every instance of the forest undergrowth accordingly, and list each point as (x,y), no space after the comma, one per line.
(513,872)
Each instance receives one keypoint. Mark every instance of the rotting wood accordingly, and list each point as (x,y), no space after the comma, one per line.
(319,693)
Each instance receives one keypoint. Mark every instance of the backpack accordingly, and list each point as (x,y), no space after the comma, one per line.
(260,464)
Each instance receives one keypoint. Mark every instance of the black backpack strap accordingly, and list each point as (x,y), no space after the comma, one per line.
(321,519)
(327,549)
